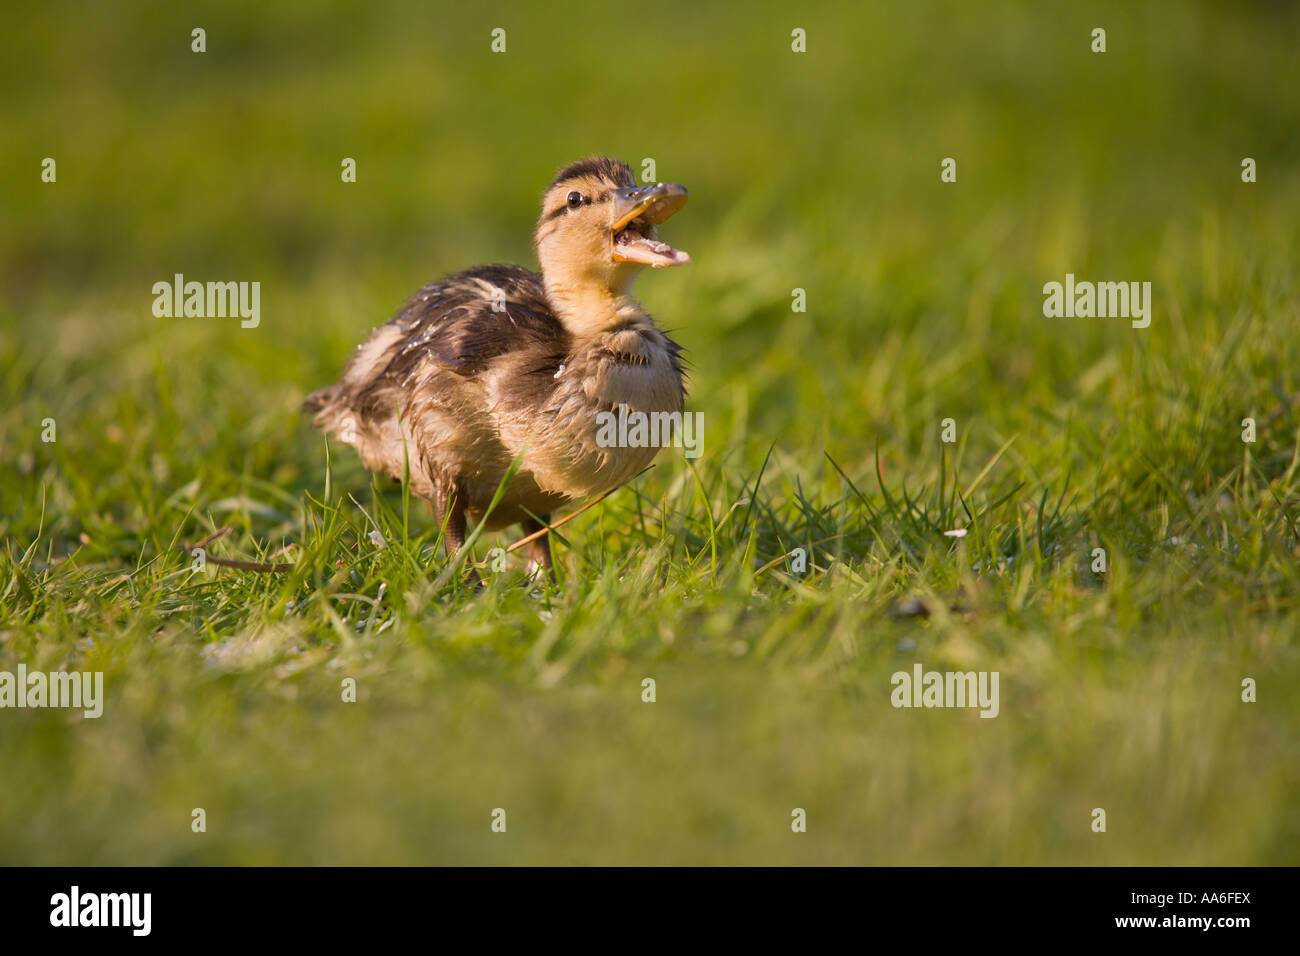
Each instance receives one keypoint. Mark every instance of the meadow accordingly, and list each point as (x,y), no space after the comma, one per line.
(1120,689)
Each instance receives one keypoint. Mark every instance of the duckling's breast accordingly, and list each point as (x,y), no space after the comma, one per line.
(615,402)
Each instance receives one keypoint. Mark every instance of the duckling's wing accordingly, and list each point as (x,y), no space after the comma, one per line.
(457,325)
(465,321)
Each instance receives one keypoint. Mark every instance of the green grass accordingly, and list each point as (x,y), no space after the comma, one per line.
(818,171)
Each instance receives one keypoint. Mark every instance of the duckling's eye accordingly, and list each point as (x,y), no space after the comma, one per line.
(576,199)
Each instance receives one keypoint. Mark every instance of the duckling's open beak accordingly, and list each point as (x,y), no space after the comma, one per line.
(637,210)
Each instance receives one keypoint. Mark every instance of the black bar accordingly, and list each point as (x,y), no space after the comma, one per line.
(334,905)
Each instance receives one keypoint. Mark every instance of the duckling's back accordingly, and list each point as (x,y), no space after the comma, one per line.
(416,388)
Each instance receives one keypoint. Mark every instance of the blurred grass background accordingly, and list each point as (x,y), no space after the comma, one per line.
(817,171)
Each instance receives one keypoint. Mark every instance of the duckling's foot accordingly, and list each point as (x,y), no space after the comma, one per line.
(539,549)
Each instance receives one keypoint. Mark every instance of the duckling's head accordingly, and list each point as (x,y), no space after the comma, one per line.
(598,229)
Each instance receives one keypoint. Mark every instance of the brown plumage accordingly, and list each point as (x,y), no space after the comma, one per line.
(496,361)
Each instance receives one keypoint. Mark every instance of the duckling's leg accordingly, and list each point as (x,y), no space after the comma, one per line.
(539,549)
(446,508)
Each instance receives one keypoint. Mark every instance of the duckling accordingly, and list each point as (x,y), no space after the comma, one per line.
(499,362)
